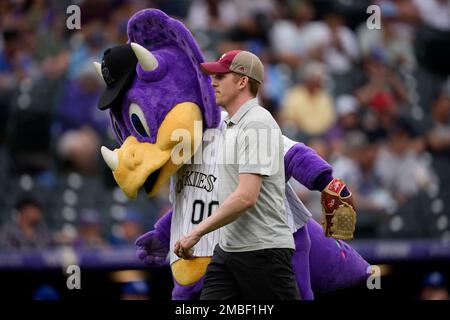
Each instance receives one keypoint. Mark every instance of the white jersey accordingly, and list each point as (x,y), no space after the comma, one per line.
(194,196)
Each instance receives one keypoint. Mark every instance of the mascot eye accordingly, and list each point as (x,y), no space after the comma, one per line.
(138,121)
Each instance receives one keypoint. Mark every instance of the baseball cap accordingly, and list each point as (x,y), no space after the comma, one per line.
(238,61)
(118,70)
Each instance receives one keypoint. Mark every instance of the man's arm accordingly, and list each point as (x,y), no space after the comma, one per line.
(242,199)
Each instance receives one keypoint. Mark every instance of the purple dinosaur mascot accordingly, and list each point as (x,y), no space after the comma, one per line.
(154,88)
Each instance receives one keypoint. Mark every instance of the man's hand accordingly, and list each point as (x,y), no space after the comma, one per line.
(151,250)
(183,247)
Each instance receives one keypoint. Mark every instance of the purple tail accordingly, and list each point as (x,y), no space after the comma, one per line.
(333,263)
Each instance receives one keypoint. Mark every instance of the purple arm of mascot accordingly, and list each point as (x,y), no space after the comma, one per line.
(155,86)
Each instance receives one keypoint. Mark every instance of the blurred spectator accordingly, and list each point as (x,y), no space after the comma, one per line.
(381,81)
(48,41)
(251,33)
(79,124)
(288,35)
(96,10)
(332,42)
(434,287)
(31,112)
(130,228)
(15,63)
(400,167)
(212,14)
(10,72)
(308,106)
(89,231)
(83,89)
(394,39)
(78,148)
(116,28)
(434,13)
(433,35)
(356,166)
(86,46)
(27,231)
(438,135)
(347,108)
(345,165)
(224,14)
(135,290)
(276,82)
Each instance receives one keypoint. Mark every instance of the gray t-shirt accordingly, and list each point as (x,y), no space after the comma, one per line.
(253,143)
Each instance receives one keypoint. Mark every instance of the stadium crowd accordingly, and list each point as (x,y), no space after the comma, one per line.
(375,103)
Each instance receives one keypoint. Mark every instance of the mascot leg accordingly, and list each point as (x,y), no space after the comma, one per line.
(188,292)
(300,263)
(333,263)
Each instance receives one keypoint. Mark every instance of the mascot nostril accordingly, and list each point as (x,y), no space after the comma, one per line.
(137,158)
(159,70)
(129,162)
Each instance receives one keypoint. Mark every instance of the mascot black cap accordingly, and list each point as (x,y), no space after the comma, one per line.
(118,70)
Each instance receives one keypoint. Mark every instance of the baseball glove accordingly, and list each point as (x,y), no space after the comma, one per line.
(339,213)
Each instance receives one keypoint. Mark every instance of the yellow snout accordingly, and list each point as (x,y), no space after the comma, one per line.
(136,164)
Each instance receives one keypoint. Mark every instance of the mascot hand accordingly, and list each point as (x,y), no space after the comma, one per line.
(339,213)
(151,250)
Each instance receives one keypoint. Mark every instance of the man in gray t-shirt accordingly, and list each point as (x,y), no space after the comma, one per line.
(253,257)
(253,145)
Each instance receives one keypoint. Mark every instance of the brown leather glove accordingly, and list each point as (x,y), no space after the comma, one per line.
(339,213)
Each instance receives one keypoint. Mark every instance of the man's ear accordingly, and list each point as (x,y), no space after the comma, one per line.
(243,81)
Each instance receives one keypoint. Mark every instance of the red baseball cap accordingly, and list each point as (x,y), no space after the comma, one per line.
(238,61)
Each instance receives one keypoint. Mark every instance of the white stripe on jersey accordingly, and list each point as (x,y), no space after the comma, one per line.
(192,200)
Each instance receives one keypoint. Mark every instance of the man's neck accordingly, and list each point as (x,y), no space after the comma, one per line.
(233,107)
